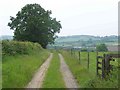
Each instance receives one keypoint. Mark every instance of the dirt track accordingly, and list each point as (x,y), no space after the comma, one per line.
(69,80)
(38,78)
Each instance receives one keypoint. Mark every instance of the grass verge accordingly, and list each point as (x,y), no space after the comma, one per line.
(53,78)
(87,78)
(80,72)
(18,70)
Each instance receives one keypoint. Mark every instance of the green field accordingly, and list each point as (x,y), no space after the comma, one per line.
(85,77)
(53,78)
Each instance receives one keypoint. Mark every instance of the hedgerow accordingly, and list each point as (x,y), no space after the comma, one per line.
(18,47)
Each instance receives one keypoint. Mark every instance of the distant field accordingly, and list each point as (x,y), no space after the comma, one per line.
(85,40)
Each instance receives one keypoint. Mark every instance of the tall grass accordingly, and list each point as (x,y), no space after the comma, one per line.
(17,71)
(20,61)
(0,74)
(0,64)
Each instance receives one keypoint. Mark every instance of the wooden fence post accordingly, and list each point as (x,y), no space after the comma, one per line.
(71,51)
(88,60)
(74,52)
(97,63)
(79,56)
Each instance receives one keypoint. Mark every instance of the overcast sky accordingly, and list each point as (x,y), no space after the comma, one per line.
(78,17)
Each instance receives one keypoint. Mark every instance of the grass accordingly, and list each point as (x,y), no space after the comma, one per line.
(84,76)
(0,73)
(0,65)
(18,70)
(110,82)
(80,72)
(53,78)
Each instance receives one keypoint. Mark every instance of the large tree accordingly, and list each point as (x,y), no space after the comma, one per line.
(33,23)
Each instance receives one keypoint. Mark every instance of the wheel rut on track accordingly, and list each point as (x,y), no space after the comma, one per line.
(38,78)
(68,77)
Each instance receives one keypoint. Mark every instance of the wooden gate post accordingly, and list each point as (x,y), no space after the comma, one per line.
(103,66)
(107,63)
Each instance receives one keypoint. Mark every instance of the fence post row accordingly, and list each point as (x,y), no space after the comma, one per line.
(105,62)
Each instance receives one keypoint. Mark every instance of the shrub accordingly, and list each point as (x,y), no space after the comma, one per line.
(101,48)
(84,50)
(17,47)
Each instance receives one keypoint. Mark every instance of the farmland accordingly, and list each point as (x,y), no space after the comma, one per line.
(20,64)
(85,40)
(59,44)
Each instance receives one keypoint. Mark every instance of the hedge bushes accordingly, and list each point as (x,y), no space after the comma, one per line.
(17,47)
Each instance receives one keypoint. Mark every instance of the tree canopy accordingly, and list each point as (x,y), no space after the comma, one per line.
(33,23)
(101,47)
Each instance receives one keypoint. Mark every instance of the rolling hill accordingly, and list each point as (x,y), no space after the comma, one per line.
(78,40)
(85,40)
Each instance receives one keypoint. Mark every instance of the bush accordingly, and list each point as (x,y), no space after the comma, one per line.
(101,48)
(17,47)
(84,50)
